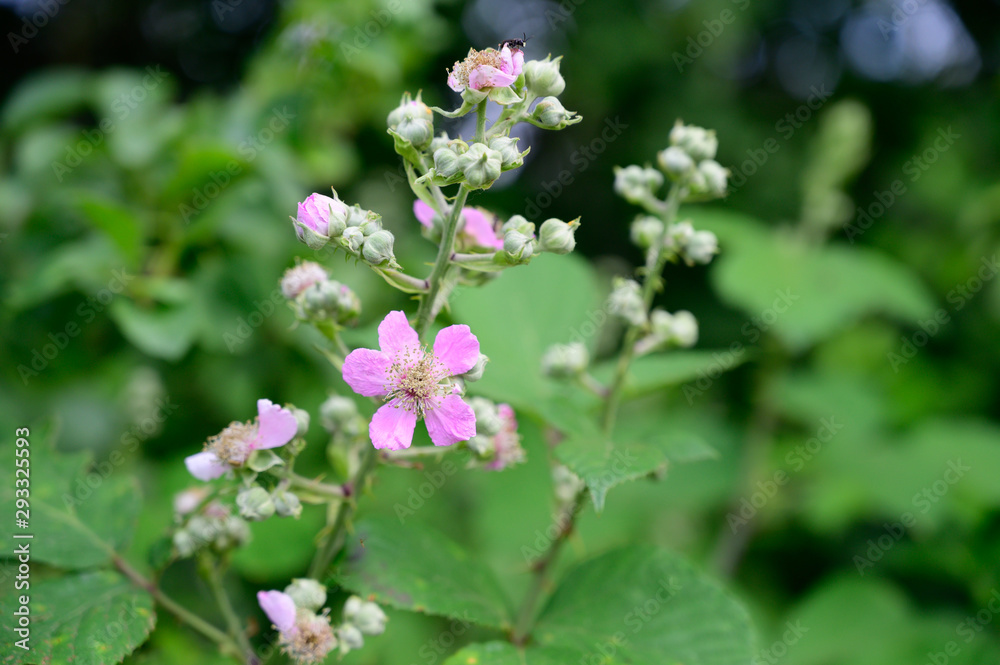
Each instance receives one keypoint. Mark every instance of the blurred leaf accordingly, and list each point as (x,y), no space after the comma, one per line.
(166,331)
(86,264)
(280,548)
(47,94)
(79,513)
(415,568)
(804,293)
(661,370)
(519,315)
(119,223)
(88,618)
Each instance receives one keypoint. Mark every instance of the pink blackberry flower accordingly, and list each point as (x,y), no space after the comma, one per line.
(412,382)
(273,427)
(476,226)
(486,69)
(506,442)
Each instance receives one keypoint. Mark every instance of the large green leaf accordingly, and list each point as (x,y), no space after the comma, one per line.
(415,568)
(119,223)
(805,293)
(89,618)
(49,93)
(602,467)
(522,313)
(635,606)
(78,513)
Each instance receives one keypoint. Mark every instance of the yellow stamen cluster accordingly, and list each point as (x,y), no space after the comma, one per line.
(232,445)
(414,377)
(461,70)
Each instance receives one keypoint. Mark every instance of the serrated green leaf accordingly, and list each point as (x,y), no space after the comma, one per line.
(602,467)
(414,568)
(78,514)
(89,618)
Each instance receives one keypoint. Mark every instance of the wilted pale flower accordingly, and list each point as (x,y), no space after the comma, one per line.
(301,277)
(273,427)
(486,69)
(412,382)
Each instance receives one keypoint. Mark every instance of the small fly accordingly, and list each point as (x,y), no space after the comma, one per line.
(514,44)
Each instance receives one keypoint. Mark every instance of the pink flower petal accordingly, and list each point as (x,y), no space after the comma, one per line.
(392,426)
(518,62)
(485,76)
(424,213)
(457,348)
(454,84)
(395,336)
(205,466)
(365,372)
(480,228)
(449,420)
(277,426)
(279,608)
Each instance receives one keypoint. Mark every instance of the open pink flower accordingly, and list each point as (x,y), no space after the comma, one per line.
(486,69)
(411,381)
(279,608)
(273,427)
(476,225)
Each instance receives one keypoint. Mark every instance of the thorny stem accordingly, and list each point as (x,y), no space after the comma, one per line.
(426,311)
(331,545)
(541,568)
(226,643)
(236,631)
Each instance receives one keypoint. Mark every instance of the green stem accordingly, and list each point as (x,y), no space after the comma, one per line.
(428,308)
(481,122)
(418,451)
(236,631)
(226,644)
(301,482)
(540,580)
(331,546)
(655,261)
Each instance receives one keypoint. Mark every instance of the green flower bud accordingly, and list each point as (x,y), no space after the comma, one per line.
(549,113)
(646,231)
(307,593)
(675,162)
(414,121)
(565,483)
(518,246)
(519,224)
(715,176)
(331,300)
(358,216)
(350,638)
(680,329)
(377,249)
(287,504)
(556,236)
(366,616)
(510,156)
(477,370)
(487,416)
(637,184)
(446,162)
(480,165)
(255,503)
(562,361)
(234,532)
(542,77)
(302,418)
(697,142)
(702,246)
(184,543)
(678,236)
(626,301)
(370,226)
(438,142)
(340,415)
(352,239)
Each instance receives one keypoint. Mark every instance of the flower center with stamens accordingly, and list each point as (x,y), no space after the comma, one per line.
(232,445)
(415,377)
(461,70)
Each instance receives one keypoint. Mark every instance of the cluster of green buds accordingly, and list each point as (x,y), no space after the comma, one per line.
(665,330)
(340,417)
(565,361)
(211,526)
(360,618)
(496,445)
(315,297)
(690,161)
(324,220)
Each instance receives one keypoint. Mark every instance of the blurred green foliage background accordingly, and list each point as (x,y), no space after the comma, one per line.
(151,153)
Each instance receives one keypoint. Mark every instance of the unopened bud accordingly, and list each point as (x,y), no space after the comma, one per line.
(287,504)
(679,235)
(301,277)
(352,239)
(350,637)
(510,156)
(565,360)
(446,162)
(377,249)
(549,113)
(680,328)
(565,483)
(302,419)
(702,246)
(715,176)
(487,416)
(480,165)
(307,593)
(414,121)
(332,300)
(255,503)
(675,162)
(339,414)
(542,77)
(477,370)
(518,246)
(368,617)
(519,224)
(697,142)
(626,301)
(646,231)
(637,184)
(556,236)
